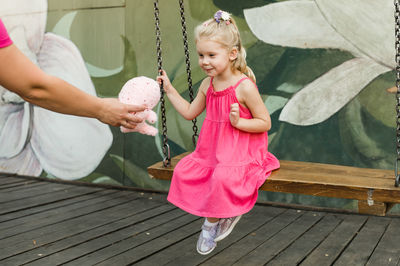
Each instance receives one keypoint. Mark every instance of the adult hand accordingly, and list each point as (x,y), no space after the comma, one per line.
(115,113)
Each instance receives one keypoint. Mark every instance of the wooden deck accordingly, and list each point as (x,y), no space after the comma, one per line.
(47,223)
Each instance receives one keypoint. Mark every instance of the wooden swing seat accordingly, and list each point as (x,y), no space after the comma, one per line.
(373,188)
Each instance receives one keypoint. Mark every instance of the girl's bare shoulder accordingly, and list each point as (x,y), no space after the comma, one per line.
(205,84)
(247,87)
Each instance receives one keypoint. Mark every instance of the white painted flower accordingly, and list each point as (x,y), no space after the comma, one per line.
(33,139)
(225,16)
(364,28)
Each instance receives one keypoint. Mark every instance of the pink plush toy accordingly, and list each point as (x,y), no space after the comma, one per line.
(142,90)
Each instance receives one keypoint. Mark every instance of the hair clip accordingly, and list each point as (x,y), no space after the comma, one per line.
(222,15)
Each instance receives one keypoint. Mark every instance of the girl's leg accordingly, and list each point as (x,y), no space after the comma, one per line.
(212,220)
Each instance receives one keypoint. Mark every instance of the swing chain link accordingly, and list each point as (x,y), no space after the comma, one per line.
(188,71)
(165,149)
(397,46)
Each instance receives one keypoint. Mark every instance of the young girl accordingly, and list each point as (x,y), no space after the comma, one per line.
(220,179)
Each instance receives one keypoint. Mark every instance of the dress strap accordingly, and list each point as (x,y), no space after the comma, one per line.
(240,81)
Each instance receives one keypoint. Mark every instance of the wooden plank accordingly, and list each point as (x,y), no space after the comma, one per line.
(330,181)
(324,177)
(184,252)
(23,186)
(317,179)
(280,241)
(106,213)
(77,195)
(338,170)
(331,191)
(376,208)
(42,199)
(11,220)
(158,170)
(363,245)
(289,168)
(36,234)
(301,247)
(31,190)
(331,248)
(149,248)
(254,239)
(22,183)
(361,186)
(33,222)
(78,246)
(5,180)
(138,246)
(6,174)
(387,251)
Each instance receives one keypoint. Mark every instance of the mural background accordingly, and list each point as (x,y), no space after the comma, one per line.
(116,39)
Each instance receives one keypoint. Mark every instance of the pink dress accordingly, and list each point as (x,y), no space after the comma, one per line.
(4,38)
(222,176)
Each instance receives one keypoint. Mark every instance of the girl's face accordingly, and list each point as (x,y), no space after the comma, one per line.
(214,58)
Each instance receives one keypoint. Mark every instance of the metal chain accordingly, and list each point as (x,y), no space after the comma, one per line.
(166,150)
(188,71)
(397,46)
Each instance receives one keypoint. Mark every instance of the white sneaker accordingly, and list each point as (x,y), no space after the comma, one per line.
(225,227)
(207,244)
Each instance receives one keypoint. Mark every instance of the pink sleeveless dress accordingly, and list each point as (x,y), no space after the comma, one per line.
(222,176)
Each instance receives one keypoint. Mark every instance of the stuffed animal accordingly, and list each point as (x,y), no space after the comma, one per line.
(141,90)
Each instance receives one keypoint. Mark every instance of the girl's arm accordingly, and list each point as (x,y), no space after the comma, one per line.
(187,110)
(248,95)
(18,74)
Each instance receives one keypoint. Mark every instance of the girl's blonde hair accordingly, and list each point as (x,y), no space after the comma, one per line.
(225,32)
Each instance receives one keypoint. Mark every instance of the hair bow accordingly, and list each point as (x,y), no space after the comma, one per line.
(222,15)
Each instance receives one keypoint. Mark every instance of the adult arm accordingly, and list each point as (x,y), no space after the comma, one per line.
(18,74)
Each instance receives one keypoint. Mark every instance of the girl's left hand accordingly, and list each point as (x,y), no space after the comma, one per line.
(234,114)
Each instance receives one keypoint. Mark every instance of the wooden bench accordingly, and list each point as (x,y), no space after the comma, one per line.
(373,188)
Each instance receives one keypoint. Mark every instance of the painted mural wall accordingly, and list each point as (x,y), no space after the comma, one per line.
(325,70)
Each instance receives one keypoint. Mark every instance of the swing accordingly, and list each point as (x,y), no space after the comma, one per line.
(376,190)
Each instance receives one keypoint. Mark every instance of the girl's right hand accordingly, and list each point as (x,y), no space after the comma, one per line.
(167,86)
(234,114)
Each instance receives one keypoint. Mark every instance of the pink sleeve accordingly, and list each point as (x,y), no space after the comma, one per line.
(4,38)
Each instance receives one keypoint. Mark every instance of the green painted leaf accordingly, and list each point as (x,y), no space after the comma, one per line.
(298,67)
(106,180)
(138,175)
(378,102)
(111,86)
(236,6)
(357,131)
